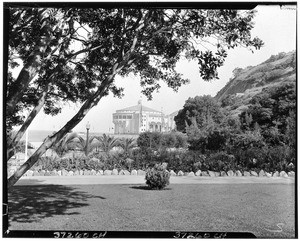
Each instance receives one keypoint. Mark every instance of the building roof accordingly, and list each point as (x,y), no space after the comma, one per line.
(138,108)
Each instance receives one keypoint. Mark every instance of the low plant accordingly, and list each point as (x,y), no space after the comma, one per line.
(220,161)
(157,177)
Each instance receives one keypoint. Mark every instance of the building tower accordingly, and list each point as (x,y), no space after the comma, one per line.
(139,118)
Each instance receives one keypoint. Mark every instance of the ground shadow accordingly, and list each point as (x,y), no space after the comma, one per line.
(33,202)
(148,188)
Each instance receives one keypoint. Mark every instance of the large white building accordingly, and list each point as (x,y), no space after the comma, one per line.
(139,118)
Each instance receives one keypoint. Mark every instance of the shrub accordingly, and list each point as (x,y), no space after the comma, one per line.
(221,161)
(178,160)
(95,164)
(181,140)
(216,139)
(246,140)
(279,158)
(150,140)
(157,177)
(198,142)
(107,160)
(157,141)
(45,163)
(168,140)
(249,159)
(64,164)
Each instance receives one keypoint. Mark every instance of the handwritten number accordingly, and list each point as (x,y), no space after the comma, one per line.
(279,230)
(222,235)
(177,235)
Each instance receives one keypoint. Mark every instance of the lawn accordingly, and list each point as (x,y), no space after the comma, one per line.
(266,210)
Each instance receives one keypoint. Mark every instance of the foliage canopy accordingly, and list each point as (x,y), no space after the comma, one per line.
(74,54)
(200,111)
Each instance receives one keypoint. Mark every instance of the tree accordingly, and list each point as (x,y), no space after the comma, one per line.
(271,108)
(196,139)
(181,140)
(236,72)
(168,140)
(107,143)
(291,130)
(127,144)
(246,120)
(145,42)
(203,109)
(73,141)
(231,122)
(65,144)
(149,141)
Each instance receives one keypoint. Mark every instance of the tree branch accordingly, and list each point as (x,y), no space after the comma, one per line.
(80,40)
(90,103)
(27,123)
(55,138)
(29,71)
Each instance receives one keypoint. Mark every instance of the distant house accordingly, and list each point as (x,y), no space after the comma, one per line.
(139,118)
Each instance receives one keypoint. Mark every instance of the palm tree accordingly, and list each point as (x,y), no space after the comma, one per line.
(107,143)
(70,141)
(73,141)
(94,144)
(128,144)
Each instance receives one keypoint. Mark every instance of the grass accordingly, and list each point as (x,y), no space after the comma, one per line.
(255,208)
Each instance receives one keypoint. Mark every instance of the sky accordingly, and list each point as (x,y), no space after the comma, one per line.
(274,25)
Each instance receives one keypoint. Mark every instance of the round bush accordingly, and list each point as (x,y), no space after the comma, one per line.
(157,177)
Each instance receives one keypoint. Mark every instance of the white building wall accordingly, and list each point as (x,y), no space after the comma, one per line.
(142,122)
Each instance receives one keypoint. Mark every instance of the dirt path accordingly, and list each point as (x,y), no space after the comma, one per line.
(123,179)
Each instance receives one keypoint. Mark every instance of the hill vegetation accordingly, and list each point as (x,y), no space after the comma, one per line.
(246,83)
(250,124)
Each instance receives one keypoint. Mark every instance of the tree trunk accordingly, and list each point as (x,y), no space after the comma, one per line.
(90,103)
(55,138)
(27,123)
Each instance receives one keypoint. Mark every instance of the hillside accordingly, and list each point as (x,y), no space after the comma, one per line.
(278,69)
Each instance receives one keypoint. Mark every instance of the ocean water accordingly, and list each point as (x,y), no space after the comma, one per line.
(40,135)
(37,135)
